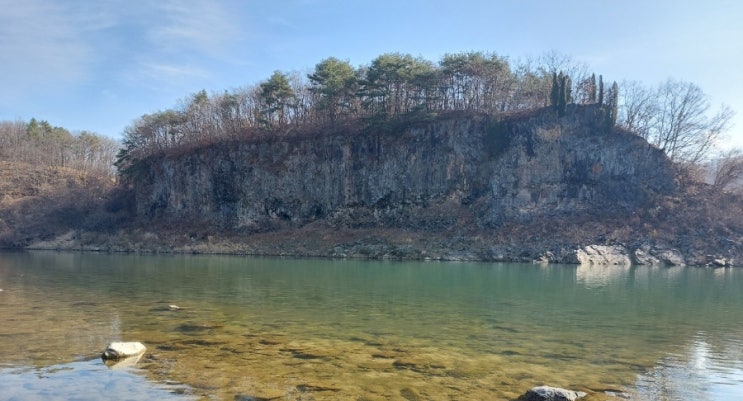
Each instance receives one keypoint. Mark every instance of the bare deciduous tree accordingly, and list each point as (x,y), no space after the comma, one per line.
(683,128)
(728,170)
(637,107)
(40,143)
(675,117)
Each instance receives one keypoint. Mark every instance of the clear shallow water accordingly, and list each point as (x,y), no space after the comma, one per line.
(81,380)
(340,330)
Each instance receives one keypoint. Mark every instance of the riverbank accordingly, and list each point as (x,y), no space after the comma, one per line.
(585,243)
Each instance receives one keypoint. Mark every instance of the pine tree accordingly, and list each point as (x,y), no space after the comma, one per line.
(601,90)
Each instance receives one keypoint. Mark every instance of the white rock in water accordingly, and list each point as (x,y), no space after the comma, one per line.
(114,364)
(118,350)
(174,307)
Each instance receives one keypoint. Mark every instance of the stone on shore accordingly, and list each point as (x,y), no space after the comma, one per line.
(672,257)
(119,350)
(644,257)
(547,393)
(603,255)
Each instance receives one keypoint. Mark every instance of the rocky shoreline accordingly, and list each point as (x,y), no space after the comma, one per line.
(392,245)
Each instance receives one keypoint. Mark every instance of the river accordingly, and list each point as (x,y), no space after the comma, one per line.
(308,329)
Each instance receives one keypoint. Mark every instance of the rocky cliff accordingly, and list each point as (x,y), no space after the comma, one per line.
(458,170)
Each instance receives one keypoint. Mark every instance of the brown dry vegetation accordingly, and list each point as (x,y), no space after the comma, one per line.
(40,202)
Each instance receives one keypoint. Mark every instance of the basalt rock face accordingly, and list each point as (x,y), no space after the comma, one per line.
(519,168)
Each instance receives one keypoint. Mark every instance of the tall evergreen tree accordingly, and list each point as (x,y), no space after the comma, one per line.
(568,89)
(563,94)
(555,92)
(592,89)
(276,93)
(336,83)
(613,105)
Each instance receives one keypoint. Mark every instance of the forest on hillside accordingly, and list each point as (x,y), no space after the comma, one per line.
(675,116)
(337,95)
(41,144)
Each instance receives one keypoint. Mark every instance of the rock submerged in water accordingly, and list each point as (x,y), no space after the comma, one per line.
(547,393)
(120,350)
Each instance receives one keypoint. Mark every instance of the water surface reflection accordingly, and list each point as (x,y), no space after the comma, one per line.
(337,330)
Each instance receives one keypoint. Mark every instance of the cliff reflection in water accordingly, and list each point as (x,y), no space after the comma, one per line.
(592,276)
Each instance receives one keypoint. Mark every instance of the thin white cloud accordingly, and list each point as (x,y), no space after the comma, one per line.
(49,45)
(172,72)
(203,26)
(41,45)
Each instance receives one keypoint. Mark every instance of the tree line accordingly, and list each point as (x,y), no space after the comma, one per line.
(39,142)
(390,86)
(674,116)
(592,92)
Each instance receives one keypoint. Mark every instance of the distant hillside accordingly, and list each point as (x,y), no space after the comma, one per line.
(54,182)
(39,202)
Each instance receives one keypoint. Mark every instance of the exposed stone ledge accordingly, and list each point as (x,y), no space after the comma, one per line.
(602,255)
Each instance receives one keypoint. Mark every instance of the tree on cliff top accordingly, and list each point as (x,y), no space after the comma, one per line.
(561,95)
(277,95)
(395,84)
(335,83)
(675,117)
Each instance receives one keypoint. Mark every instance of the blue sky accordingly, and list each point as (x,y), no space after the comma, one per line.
(98,64)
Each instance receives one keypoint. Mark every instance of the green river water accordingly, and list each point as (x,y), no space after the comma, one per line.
(308,329)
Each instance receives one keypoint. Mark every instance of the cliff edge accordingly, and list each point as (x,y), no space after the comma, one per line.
(465,169)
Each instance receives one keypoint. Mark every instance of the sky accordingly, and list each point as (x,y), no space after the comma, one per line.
(97,65)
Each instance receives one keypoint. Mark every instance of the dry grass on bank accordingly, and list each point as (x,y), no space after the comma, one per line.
(43,202)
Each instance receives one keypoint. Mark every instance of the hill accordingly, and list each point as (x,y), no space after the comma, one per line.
(41,203)
(532,186)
